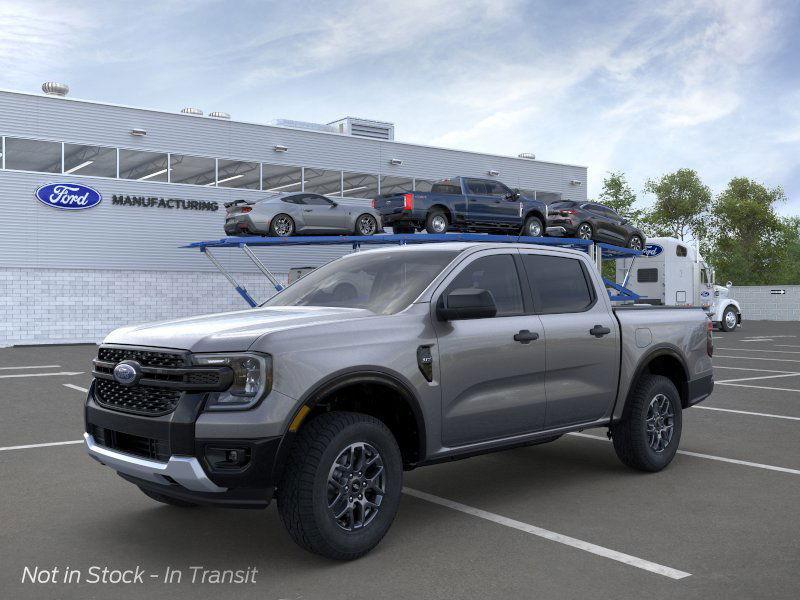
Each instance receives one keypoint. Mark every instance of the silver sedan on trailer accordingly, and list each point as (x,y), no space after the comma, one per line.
(299,213)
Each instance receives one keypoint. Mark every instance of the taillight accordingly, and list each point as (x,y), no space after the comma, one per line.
(710,339)
(246,209)
(408,201)
(566,213)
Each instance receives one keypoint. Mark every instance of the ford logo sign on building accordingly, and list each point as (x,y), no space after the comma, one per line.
(68,196)
(652,250)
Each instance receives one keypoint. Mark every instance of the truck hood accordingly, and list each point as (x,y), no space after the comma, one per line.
(230,331)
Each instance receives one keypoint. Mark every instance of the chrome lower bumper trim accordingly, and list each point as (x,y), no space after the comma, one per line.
(184,470)
(558,231)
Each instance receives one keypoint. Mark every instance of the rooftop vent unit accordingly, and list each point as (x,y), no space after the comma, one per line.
(51,88)
(303,125)
(527,155)
(376,130)
(219,115)
(192,111)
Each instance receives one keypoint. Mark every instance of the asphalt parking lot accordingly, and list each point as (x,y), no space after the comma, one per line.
(562,520)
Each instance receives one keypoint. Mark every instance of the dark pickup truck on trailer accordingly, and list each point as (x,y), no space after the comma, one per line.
(464,204)
(386,360)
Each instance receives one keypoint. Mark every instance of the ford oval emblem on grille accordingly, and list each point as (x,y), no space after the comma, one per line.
(127,373)
(68,196)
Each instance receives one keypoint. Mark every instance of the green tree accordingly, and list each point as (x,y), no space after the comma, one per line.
(750,243)
(617,194)
(681,205)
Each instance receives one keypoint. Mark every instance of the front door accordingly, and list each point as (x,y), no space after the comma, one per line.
(492,385)
(324,215)
(582,339)
(487,204)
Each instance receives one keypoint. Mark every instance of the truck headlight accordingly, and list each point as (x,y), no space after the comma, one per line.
(252,379)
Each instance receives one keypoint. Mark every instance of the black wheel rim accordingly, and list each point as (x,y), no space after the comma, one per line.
(585,232)
(356,486)
(635,243)
(282,226)
(660,423)
(366,225)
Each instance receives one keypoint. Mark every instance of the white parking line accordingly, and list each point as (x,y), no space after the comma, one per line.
(76,387)
(41,445)
(551,535)
(751,369)
(41,374)
(747,412)
(758,358)
(760,377)
(709,456)
(757,387)
(31,367)
(786,346)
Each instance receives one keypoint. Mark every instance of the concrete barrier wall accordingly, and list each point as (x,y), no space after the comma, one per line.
(764,303)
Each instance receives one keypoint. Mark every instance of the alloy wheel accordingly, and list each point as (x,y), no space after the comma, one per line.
(585,231)
(730,319)
(282,226)
(356,486)
(660,423)
(366,225)
(534,228)
(635,243)
(439,223)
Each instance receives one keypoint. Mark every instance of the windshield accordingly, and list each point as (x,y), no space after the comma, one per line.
(381,282)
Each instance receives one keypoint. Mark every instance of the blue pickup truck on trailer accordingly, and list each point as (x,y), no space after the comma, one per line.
(464,204)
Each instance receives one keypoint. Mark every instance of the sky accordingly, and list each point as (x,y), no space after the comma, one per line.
(639,87)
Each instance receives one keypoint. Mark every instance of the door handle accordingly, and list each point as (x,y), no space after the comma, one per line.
(308,210)
(525,336)
(599,331)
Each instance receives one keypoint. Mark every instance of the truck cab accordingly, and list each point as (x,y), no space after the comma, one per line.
(670,272)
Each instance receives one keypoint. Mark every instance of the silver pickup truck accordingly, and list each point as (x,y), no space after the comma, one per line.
(383,361)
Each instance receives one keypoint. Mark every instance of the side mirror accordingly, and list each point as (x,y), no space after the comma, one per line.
(512,195)
(466,303)
(729,285)
(334,204)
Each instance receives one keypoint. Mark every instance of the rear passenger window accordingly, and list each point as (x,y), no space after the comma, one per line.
(558,284)
(647,275)
(496,274)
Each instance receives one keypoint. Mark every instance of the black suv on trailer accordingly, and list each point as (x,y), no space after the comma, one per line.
(593,221)
(464,204)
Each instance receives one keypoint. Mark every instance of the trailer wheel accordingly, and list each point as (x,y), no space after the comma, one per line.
(281,226)
(437,221)
(729,319)
(648,435)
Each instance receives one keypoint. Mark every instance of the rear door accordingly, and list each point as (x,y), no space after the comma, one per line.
(603,225)
(582,338)
(492,385)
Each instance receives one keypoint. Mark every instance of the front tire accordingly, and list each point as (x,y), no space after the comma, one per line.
(281,226)
(366,224)
(437,222)
(648,435)
(729,320)
(341,487)
(533,227)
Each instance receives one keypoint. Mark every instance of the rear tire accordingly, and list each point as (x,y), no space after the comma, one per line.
(648,435)
(366,224)
(729,320)
(584,232)
(437,221)
(166,499)
(533,227)
(281,226)
(331,470)
(636,243)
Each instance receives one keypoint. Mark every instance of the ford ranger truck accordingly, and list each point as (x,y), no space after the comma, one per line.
(322,399)
(464,204)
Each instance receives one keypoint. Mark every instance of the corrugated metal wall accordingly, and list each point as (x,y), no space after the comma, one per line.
(124,237)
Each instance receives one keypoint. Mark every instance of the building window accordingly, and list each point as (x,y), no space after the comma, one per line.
(194,170)
(237,174)
(144,166)
(280,178)
(396,185)
(359,185)
(423,185)
(33,155)
(321,181)
(96,161)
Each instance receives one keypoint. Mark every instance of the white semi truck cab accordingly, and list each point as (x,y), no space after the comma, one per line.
(670,272)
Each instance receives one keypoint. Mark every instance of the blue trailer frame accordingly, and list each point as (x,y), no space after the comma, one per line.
(598,250)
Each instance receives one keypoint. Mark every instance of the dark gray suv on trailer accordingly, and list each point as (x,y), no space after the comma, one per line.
(594,221)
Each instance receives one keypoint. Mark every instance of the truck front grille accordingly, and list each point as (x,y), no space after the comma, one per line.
(145,400)
(146,358)
(144,447)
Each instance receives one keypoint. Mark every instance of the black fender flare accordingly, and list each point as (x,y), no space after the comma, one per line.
(655,352)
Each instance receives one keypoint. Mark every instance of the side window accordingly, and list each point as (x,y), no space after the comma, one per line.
(681,250)
(496,274)
(558,284)
(315,200)
(647,275)
(295,199)
(495,188)
(476,186)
